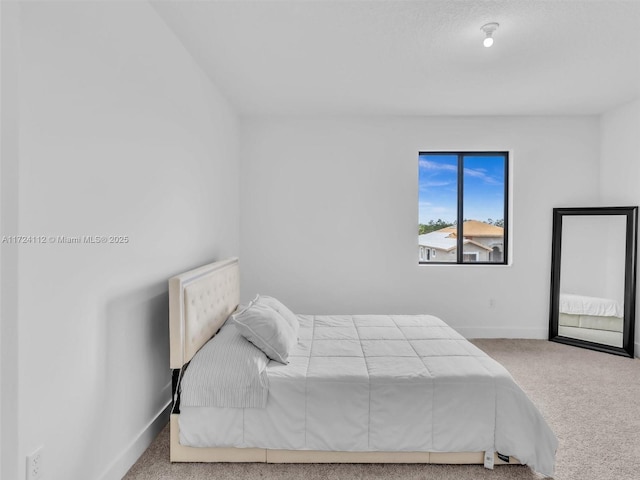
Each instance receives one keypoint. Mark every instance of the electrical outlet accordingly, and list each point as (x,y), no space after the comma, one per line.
(34,465)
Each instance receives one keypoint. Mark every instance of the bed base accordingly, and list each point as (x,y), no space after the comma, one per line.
(181,453)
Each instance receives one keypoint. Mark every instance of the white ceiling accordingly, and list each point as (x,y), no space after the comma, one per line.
(424,57)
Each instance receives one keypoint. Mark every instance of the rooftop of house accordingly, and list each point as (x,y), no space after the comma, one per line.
(475,228)
(439,239)
(446,241)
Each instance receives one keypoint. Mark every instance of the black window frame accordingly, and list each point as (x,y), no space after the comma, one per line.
(460,205)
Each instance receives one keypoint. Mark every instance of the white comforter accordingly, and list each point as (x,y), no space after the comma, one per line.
(595,306)
(383,383)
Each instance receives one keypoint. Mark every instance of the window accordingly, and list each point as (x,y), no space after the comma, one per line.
(470,257)
(463,207)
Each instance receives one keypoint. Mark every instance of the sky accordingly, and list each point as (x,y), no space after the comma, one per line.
(483,187)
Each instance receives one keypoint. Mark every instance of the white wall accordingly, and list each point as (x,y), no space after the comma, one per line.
(620,164)
(329,211)
(9,109)
(120,134)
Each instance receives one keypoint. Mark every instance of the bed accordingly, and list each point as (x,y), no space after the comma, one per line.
(594,319)
(357,389)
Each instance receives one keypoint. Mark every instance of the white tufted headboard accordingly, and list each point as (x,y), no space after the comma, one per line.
(200,301)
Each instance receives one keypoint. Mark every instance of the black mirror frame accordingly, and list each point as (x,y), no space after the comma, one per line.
(628,335)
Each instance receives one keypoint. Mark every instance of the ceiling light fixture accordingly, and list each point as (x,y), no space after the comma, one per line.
(488,30)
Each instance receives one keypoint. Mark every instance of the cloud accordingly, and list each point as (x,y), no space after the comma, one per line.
(435,184)
(436,168)
(429,165)
(482,175)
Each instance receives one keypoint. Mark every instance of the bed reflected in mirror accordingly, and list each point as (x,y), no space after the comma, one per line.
(593,278)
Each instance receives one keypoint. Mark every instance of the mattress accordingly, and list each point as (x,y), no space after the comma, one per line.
(593,306)
(382,383)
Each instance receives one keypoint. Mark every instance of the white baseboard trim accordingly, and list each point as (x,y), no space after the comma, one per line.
(502,332)
(130,454)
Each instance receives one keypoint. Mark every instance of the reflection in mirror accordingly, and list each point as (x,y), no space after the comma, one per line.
(593,278)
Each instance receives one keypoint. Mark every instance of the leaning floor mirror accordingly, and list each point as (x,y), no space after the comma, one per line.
(593,270)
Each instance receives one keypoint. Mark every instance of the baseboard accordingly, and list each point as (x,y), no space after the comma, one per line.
(502,332)
(121,465)
(636,350)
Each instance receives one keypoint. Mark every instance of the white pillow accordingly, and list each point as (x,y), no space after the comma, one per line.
(279,307)
(267,330)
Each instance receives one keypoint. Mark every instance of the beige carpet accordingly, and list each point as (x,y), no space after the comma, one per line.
(591,401)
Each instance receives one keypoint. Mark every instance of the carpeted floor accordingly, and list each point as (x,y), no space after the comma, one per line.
(591,400)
